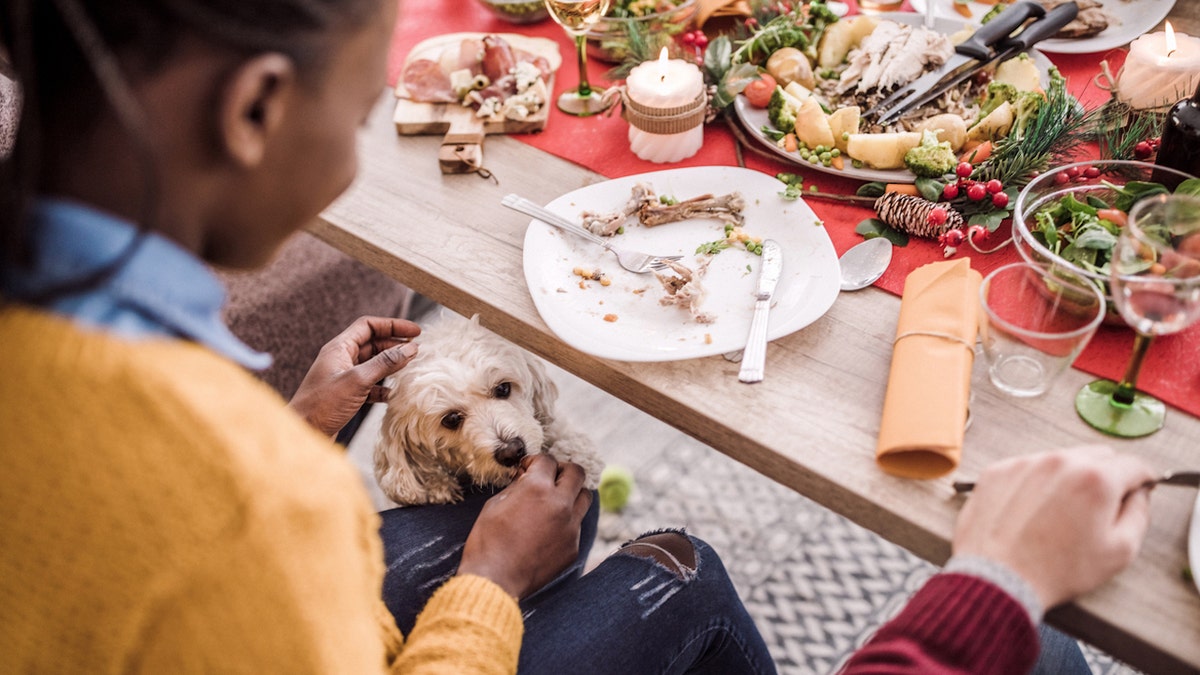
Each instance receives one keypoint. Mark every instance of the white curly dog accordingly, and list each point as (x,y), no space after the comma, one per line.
(467,408)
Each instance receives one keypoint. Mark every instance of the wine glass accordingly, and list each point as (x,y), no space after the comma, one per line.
(1155,283)
(577,17)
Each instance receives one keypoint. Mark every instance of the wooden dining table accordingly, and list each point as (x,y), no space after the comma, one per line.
(812,424)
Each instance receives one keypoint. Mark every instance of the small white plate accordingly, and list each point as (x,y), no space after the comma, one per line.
(1133,17)
(644,330)
(753,119)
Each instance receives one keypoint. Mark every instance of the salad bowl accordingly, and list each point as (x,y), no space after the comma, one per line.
(1070,216)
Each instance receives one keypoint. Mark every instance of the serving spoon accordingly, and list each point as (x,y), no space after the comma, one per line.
(864,263)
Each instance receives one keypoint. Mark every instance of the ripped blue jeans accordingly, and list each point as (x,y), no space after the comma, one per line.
(646,609)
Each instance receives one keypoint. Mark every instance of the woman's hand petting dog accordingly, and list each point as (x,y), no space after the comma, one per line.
(529,532)
(346,373)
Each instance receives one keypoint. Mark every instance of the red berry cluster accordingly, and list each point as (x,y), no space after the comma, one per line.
(976,191)
(1077,174)
(950,240)
(694,38)
(1144,149)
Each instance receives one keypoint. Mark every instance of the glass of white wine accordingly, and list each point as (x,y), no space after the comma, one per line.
(1156,287)
(577,17)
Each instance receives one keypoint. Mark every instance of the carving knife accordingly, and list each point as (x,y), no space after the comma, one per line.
(970,53)
(755,355)
(1035,32)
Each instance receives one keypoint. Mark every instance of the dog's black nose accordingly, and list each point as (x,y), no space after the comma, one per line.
(510,452)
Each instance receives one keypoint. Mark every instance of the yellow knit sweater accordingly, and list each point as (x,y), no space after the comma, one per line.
(163,512)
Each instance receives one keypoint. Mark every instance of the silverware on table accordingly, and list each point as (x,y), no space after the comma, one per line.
(976,54)
(755,355)
(634,261)
(1185,478)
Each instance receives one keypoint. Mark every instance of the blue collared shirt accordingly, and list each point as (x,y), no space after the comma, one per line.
(161,290)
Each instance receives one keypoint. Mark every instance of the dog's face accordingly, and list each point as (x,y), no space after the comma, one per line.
(470,404)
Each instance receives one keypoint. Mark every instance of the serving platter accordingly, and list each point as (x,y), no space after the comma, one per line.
(1133,18)
(638,327)
(753,119)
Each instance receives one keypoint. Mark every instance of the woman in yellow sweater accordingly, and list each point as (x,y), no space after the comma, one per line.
(163,511)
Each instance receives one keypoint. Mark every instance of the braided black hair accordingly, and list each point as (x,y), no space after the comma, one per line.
(71,57)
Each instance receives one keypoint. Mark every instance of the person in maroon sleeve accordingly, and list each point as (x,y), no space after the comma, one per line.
(1038,531)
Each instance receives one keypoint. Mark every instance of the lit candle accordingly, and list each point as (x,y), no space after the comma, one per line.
(665,109)
(1161,69)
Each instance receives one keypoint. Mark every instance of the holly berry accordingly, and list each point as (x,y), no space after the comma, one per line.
(1091,172)
(751,22)
(950,191)
(937,216)
(994,186)
(977,233)
(976,192)
(952,238)
(964,170)
(1000,200)
(1060,178)
(1073,172)
(688,39)
(701,40)
(1143,150)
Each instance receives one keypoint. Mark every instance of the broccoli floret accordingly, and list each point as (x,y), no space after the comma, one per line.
(1025,110)
(931,158)
(993,12)
(782,109)
(997,93)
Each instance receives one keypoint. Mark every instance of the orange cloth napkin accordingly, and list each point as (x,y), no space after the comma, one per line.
(707,9)
(925,409)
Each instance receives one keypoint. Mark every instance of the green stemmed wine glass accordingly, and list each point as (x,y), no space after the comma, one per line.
(577,17)
(1155,283)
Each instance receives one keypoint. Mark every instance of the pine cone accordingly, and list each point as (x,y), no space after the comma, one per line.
(910,214)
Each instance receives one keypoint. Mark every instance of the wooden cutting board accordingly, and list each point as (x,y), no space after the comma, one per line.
(462,143)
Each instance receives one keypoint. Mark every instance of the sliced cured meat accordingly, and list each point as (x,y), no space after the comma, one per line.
(426,81)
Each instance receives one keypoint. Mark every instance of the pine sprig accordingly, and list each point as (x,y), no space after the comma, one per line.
(1051,136)
(1119,129)
(800,28)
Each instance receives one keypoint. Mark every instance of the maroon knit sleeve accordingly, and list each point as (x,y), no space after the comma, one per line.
(955,624)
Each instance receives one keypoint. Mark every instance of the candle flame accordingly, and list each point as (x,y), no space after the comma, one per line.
(1170,40)
(662,56)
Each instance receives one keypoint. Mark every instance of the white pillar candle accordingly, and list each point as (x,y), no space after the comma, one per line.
(662,84)
(1161,68)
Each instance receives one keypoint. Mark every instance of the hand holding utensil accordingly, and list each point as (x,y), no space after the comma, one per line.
(634,261)
(755,355)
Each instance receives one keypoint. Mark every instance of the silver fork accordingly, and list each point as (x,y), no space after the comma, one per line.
(1185,478)
(634,261)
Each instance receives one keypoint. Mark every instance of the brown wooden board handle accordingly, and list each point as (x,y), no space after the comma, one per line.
(461,152)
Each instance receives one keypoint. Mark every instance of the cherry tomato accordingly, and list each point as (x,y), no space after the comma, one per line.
(759,91)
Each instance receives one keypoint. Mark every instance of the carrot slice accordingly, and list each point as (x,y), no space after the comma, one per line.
(837,163)
(902,188)
(1115,216)
(977,153)
(963,9)
(789,143)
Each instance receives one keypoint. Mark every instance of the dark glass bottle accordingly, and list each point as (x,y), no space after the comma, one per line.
(1180,147)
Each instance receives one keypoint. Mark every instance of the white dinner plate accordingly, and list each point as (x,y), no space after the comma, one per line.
(644,330)
(1194,544)
(1133,17)
(753,119)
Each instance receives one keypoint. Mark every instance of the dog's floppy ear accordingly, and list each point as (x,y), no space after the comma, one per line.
(406,470)
(545,392)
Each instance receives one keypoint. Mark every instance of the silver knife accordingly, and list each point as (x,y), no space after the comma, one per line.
(968,54)
(755,355)
(1039,30)
(1185,478)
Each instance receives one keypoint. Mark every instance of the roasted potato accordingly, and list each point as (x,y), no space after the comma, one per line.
(949,127)
(882,151)
(789,65)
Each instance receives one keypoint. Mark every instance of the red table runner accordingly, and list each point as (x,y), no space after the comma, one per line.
(1172,367)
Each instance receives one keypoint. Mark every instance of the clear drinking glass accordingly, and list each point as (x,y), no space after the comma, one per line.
(577,17)
(1155,285)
